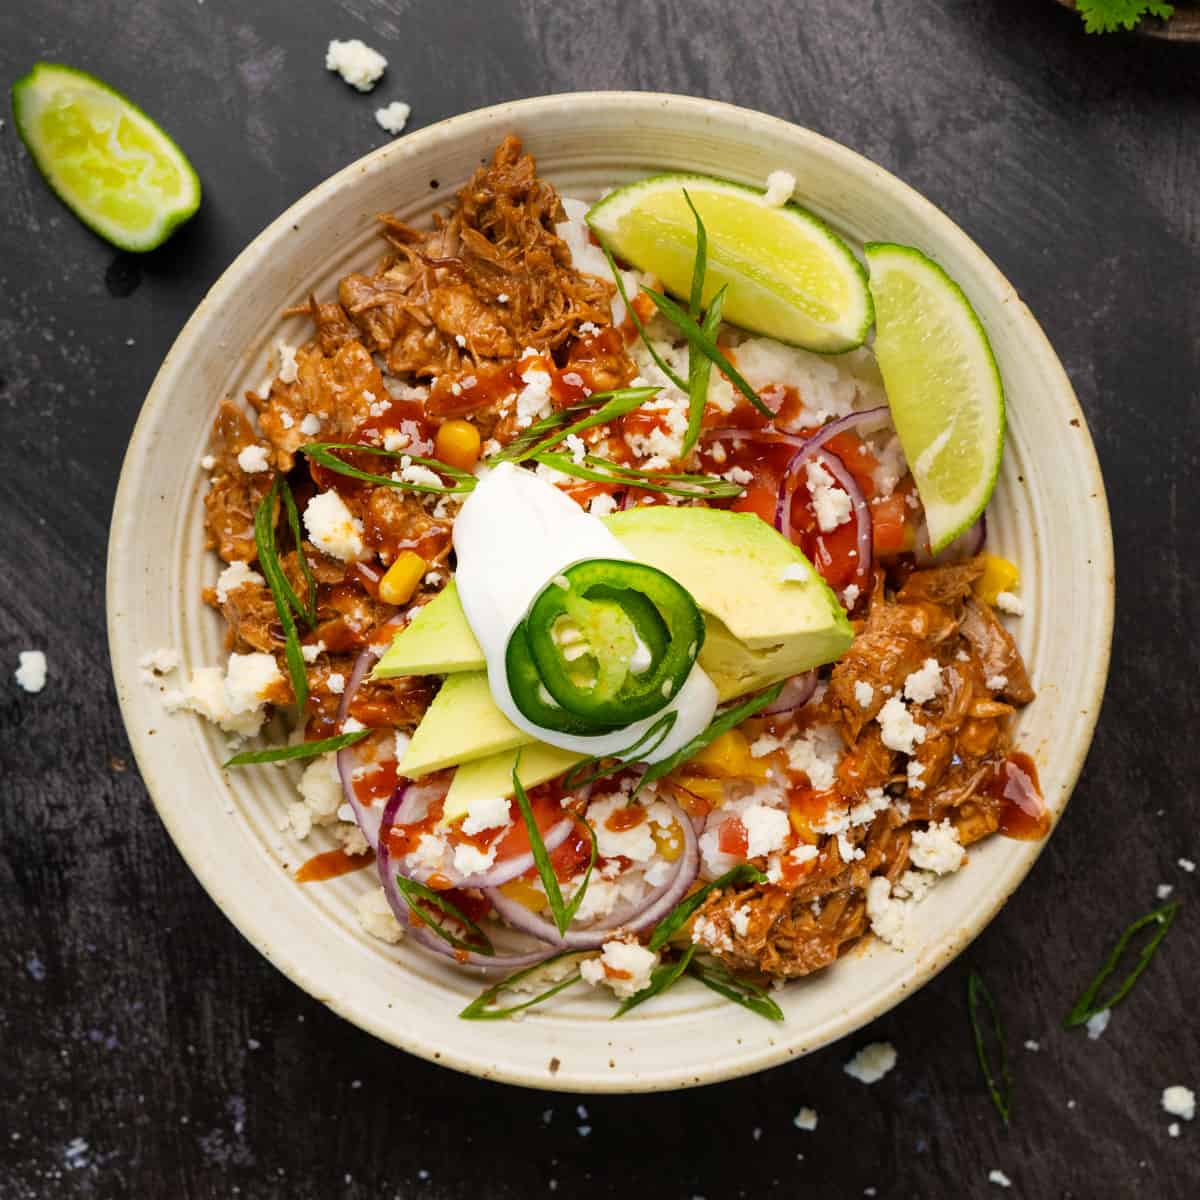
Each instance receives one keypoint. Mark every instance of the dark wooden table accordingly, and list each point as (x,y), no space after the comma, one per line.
(147,1051)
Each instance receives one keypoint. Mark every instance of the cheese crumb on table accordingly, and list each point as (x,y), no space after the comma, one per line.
(31,670)
(1187,865)
(1097,1023)
(806,1119)
(999,1179)
(1179,1101)
(393,117)
(356,63)
(872,1062)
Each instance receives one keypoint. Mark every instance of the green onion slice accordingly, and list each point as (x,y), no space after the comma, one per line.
(1087,1005)
(281,590)
(322,454)
(680,914)
(563,913)
(999,1082)
(637,324)
(661,978)
(724,721)
(603,470)
(737,988)
(416,895)
(479,1010)
(301,750)
(706,343)
(590,769)
(309,610)
(549,431)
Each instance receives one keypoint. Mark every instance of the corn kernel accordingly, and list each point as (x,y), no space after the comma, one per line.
(524,893)
(710,790)
(999,575)
(400,580)
(729,757)
(457,443)
(668,841)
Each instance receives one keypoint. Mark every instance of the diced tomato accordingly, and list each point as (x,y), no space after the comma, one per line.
(835,554)
(547,812)
(572,856)
(760,497)
(888,518)
(732,838)
(471,904)
(858,459)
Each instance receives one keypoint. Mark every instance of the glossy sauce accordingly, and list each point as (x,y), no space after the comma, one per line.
(1023,812)
(629,817)
(331,864)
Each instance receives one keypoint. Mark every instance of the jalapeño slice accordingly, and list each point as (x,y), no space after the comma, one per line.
(606,642)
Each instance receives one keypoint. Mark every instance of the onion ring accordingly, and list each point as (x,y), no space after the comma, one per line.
(796,693)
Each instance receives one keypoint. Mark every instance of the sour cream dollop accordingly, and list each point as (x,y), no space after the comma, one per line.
(513,535)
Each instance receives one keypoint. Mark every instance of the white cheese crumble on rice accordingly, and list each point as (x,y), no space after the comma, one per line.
(333,528)
(376,917)
(486,812)
(393,117)
(602,505)
(766,829)
(830,503)
(355,61)
(469,860)
(872,1062)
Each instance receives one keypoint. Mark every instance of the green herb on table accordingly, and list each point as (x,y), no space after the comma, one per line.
(298,751)
(1158,920)
(985,1021)
(1108,16)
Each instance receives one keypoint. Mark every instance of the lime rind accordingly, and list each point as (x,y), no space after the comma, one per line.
(32,96)
(831,332)
(962,355)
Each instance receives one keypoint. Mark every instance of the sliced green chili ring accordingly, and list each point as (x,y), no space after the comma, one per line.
(531,697)
(617,695)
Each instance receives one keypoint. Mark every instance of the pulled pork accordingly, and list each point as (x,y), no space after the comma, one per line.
(792,931)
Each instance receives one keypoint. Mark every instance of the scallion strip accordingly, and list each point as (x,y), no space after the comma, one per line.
(602,470)
(543,434)
(661,978)
(999,1083)
(699,374)
(734,987)
(1087,1006)
(562,912)
(478,1009)
(416,893)
(725,721)
(322,454)
(281,590)
(300,750)
(706,342)
(659,362)
(699,264)
(309,610)
(681,913)
(578,776)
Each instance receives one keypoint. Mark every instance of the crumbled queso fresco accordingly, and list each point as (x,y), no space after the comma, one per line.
(355,61)
(872,1062)
(31,670)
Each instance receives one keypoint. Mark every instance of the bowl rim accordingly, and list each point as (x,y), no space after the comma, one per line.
(412,146)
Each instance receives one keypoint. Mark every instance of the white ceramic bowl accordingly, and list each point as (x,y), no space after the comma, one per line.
(1049,514)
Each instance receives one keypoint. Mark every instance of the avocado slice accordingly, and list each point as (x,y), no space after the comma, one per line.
(483,778)
(732,563)
(761,627)
(462,723)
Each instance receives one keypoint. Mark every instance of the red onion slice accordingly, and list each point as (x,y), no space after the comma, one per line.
(869,416)
(796,693)
(862,511)
(647,911)
(421,934)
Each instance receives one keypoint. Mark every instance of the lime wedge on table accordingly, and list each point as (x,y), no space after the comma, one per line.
(789,275)
(943,385)
(109,163)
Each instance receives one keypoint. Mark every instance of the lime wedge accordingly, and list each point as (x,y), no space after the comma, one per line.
(943,385)
(789,275)
(117,171)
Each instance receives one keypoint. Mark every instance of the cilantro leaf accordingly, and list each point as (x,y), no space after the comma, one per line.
(1107,16)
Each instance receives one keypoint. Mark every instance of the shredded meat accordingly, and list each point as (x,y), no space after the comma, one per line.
(485,283)
(233,494)
(792,930)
